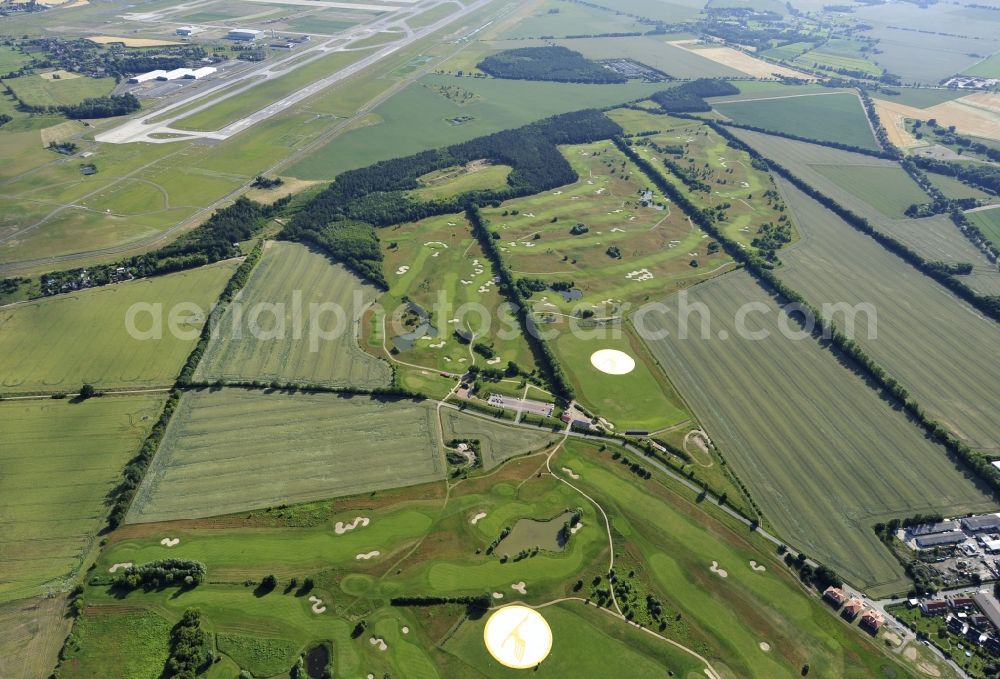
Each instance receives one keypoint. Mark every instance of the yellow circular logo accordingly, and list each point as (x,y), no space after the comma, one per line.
(518,637)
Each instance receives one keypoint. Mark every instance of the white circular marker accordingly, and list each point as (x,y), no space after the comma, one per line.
(518,637)
(612,362)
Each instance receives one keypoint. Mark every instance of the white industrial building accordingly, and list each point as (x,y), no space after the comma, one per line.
(188,30)
(144,77)
(175,74)
(200,73)
(245,34)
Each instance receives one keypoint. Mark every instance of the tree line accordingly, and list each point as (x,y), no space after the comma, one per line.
(94,107)
(550,63)
(159,575)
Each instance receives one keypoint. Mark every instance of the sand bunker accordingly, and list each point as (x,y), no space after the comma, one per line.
(369,555)
(170,542)
(115,567)
(402,270)
(340,527)
(405,630)
(317,605)
(520,587)
(574,529)
(570,473)
(477,518)
(498,595)
(757,567)
(718,571)
(764,646)
(612,362)
(379,643)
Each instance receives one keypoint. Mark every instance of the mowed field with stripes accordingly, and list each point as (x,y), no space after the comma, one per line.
(823,455)
(936,345)
(295,321)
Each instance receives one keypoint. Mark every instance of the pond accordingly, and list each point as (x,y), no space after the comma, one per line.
(317,660)
(530,533)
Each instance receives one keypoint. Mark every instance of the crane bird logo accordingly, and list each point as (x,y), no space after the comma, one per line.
(517,637)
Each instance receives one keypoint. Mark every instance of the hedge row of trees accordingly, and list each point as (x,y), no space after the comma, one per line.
(550,63)
(881,134)
(980,175)
(544,357)
(121,495)
(160,574)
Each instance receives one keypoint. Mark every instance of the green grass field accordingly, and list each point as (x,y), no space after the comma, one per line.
(987,68)
(422,116)
(59,343)
(833,117)
(943,369)
(988,222)
(451,182)
(822,486)
(954,189)
(294,283)
(559,19)
(38,91)
(60,459)
(131,643)
(333,446)
(888,189)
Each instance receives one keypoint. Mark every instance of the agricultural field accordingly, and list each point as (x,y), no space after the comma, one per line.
(558,19)
(943,369)
(987,68)
(831,117)
(440,282)
(60,458)
(333,445)
(888,189)
(956,190)
(276,330)
(839,54)
(765,401)
(654,51)
(32,632)
(70,88)
(58,343)
(988,221)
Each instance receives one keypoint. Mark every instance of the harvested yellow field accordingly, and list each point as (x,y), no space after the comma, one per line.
(131,42)
(61,132)
(727,56)
(290,185)
(975,114)
(59,75)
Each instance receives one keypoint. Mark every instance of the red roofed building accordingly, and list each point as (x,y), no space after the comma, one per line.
(872,620)
(935,607)
(835,596)
(853,608)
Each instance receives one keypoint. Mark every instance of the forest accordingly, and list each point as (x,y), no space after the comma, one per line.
(551,63)
(690,97)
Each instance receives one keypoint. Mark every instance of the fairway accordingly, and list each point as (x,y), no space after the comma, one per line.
(821,453)
(59,460)
(271,331)
(58,343)
(828,117)
(925,337)
(330,446)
